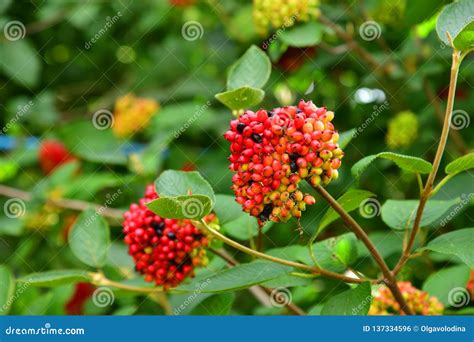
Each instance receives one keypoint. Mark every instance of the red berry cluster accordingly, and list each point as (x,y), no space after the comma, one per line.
(272,151)
(52,154)
(164,250)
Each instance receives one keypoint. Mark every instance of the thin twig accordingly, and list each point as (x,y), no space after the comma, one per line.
(362,235)
(456,61)
(260,255)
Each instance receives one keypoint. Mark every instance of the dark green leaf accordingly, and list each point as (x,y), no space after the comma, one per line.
(89,238)
(457,18)
(241,98)
(216,305)
(400,214)
(172,183)
(353,302)
(461,164)
(459,243)
(181,207)
(55,278)
(350,201)
(251,70)
(238,277)
(19,60)
(305,35)
(407,163)
(7,289)
(445,283)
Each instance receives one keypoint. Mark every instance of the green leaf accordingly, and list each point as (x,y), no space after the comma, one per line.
(400,214)
(55,278)
(353,302)
(305,35)
(346,137)
(446,281)
(335,253)
(89,238)
(350,201)
(251,70)
(216,305)
(236,278)
(19,60)
(461,164)
(7,289)
(172,183)
(241,98)
(407,163)
(181,207)
(420,10)
(457,19)
(459,243)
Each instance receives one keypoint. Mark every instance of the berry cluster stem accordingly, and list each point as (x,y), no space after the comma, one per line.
(428,189)
(390,279)
(257,254)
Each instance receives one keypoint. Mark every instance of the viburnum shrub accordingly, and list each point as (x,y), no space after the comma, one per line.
(273,151)
(319,214)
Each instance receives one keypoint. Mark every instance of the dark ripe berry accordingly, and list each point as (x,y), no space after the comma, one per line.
(278,149)
(166,251)
(293,166)
(256,138)
(240,127)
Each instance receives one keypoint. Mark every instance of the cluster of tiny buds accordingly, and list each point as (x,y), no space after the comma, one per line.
(272,151)
(166,251)
(419,301)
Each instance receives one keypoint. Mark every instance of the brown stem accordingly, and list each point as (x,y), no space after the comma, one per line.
(453,134)
(363,53)
(64,203)
(456,60)
(312,269)
(390,279)
(260,292)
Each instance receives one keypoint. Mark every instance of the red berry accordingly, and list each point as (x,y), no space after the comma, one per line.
(52,154)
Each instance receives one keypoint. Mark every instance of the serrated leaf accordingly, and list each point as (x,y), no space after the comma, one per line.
(241,98)
(174,183)
(461,164)
(181,207)
(407,163)
(251,70)
(236,278)
(446,281)
(350,201)
(19,60)
(89,238)
(459,243)
(400,214)
(55,278)
(353,302)
(305,35)
(457,19)
(7,289)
